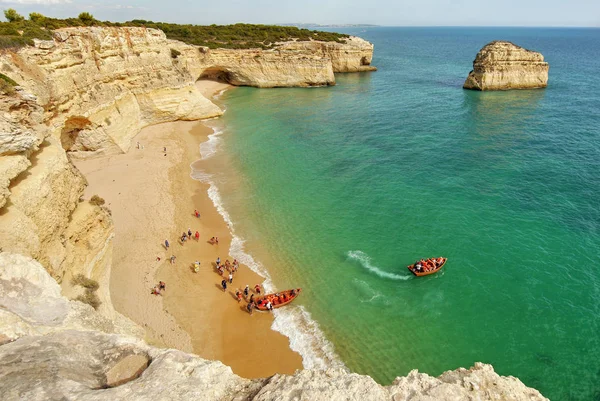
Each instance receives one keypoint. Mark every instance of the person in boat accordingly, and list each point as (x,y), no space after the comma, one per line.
(293,293)
(269,306)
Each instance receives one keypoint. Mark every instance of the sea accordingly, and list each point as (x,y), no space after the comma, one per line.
(337,189)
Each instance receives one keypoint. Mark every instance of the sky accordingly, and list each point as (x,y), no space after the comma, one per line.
(377,12)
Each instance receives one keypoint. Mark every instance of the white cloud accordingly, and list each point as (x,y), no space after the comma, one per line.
(36,1)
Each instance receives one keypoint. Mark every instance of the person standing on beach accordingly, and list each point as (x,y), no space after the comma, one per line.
(172,259)
(197,235)
(167,243)
(189,233)
(230,278)
(246,291)
(250,307)
(224,285)
(257,289)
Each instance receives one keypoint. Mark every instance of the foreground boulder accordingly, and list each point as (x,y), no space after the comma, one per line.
(503,65)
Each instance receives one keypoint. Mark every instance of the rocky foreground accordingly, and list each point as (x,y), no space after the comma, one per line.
(56,349)
(501,65)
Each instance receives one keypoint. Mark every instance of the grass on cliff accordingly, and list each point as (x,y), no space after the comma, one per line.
(20,32)
(7,85)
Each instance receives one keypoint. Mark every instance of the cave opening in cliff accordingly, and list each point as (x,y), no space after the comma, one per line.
(217,74)
(70,132)
(365,61)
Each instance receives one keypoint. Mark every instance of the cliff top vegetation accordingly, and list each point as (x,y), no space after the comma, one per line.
(19,31)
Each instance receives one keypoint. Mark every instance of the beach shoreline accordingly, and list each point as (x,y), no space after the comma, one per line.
(152,197)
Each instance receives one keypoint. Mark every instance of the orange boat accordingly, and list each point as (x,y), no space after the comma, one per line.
(426,268)
(278,299)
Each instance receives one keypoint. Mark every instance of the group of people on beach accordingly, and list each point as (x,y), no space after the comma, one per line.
(231,268)
(251,301)
(159,288)
(428,265)
(188,236)
(185,236)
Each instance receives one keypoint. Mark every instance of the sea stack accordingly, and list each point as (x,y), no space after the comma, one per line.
(501,65)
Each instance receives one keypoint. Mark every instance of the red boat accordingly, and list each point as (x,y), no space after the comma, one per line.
(429,266)
(277,300)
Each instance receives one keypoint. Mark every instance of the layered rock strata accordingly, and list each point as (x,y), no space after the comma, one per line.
(503,65)
(56,349)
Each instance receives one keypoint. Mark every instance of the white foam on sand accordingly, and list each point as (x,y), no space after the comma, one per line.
(209,148)
(295,322)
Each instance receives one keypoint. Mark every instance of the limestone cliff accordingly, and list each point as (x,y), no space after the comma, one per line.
(354,55)
(298,64)
(503,65)
(60,350)
(99,86)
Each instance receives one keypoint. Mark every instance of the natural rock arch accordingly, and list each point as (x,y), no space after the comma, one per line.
(218,74)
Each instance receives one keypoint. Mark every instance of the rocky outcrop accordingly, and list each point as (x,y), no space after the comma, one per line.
(289,64)
(99,86)
(354,55)
(503,65)
(55,349)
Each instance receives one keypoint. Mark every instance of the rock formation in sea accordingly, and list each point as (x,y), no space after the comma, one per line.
(501,65)
(55,349)
(89,91)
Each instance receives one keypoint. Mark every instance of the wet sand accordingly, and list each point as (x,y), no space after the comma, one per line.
(153,198)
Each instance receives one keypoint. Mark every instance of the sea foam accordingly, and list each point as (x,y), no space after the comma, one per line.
(295,322)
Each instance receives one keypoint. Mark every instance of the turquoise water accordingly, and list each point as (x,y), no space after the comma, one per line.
(337,189)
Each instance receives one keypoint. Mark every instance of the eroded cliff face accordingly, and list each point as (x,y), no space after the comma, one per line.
(55,349)
(99,86)
(88,91)
(503,65)
(289,64)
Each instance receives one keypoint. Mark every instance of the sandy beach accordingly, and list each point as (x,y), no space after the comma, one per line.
(152,198)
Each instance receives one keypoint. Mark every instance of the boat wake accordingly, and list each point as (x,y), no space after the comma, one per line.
(365,262)
(368,295)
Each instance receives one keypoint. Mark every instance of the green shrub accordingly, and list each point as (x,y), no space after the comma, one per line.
(96,200)
(87,18)
(8,80)
(85,282)
(12,16)
(90,298)
(37,18)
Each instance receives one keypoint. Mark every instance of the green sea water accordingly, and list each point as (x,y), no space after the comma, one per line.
(336,190)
